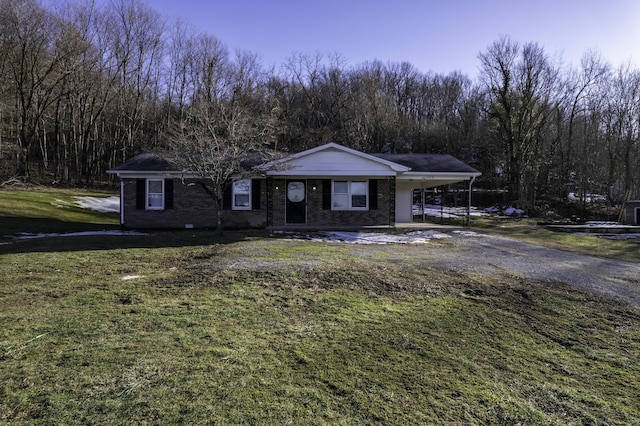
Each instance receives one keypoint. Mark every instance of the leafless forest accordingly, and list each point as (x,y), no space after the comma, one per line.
(85,87)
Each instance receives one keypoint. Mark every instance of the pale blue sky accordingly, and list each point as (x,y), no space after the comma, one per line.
(440,36)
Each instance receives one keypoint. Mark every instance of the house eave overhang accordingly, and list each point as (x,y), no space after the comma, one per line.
(138,174)
(326,173)
(146,174)
(428,176)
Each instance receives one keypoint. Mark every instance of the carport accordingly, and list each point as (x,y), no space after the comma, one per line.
(427,171)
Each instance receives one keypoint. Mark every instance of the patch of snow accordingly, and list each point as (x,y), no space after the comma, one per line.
(99,204)
(132,277)
(416,237)
(434,210)
(505,211)
(467,233)
(512,211)
(28,236)
(589,198)
(60,204)
(621,236)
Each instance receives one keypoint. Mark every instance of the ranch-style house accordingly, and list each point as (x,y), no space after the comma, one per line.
(327,187)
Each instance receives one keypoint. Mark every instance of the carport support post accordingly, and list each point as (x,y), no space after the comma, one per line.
(422,202)
(469,204)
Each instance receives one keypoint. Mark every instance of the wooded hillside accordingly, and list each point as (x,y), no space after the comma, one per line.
(85,87)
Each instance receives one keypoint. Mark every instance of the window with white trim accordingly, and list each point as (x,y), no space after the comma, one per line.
(241,194)
(155,194)
(350,195)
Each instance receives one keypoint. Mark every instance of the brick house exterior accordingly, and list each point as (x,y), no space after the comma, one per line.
(192,207)
(330,186)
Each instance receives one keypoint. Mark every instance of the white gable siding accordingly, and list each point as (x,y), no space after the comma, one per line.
(332,162)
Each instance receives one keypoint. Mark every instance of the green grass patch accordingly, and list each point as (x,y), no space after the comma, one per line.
(208,334)
(190,328)
(39,209)
(528,230)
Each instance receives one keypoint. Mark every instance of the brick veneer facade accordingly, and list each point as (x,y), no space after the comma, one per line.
(319,217)
(193,207)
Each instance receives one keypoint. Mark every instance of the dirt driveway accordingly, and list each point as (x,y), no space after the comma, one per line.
(491,254)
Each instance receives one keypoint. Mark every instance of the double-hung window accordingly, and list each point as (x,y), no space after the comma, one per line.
(350,195)
(155,194)
(241,194)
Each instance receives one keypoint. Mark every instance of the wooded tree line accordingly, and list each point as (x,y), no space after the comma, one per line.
(85,87)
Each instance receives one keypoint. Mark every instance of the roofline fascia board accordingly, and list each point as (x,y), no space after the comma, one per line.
(438,175)
(176,175)
(151,173)
(325,173)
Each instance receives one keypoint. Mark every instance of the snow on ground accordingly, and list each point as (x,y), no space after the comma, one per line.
(99,204)
(131,277)
(28,236)
(416,237)
(434,210)
(589,198)
(467,233)
(621,236)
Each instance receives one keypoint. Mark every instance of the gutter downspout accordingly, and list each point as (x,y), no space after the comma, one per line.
(469,205)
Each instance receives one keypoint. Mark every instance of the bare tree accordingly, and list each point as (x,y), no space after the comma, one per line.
(520,82)
(222,133)
(622,131)
(135,47)
(31,41)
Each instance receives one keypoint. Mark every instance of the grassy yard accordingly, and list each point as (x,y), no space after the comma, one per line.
(186,327)
(527,230)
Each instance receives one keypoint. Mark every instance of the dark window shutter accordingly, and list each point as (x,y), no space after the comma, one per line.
(227,197)
(373,194)
(141,193)
(326,194)
(168,194)
(255,194)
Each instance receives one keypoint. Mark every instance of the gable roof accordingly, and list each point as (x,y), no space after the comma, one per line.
(332,146)
(408,165)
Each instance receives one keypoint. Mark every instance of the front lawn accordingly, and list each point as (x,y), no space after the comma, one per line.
(186,327)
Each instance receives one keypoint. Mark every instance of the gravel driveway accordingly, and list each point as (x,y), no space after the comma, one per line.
(489,253)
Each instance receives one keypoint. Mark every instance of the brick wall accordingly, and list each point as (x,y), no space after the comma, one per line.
(191,206)
(319,217)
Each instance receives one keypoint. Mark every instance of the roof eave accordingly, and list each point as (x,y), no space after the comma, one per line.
(149,173)
(438,175)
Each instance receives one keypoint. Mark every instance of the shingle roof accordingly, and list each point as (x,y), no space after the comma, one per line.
(150,162)
(438,163)
(146,162)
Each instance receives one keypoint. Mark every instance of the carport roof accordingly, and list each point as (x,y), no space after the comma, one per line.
(434,163)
